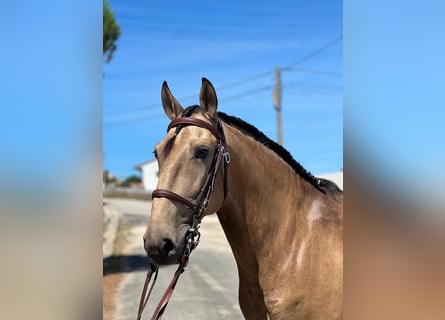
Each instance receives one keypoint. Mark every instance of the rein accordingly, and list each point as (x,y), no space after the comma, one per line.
(197,208)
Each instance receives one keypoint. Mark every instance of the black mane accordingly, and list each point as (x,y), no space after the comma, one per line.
(259,136)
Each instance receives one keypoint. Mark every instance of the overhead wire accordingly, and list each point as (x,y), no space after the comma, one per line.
(142,119)
(133,120)
(321,72)
(289,67)
(316,52)
(226,86)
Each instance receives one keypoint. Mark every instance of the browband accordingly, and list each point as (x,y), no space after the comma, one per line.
(199,123)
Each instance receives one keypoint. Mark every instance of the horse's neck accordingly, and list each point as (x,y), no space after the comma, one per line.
(262,190)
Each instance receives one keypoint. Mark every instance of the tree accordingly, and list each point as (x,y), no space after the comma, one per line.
(111,32)
(131,181)
(108,178)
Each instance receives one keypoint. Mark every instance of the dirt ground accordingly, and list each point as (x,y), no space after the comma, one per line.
(110,285)
(112,278)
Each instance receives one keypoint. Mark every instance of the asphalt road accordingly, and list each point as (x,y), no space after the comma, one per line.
(208,289)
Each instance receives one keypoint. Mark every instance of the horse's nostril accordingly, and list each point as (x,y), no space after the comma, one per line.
(167,247)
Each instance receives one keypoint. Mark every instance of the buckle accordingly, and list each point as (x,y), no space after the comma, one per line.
(225,154)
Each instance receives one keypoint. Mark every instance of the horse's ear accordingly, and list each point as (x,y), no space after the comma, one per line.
(172,107)
(208,99)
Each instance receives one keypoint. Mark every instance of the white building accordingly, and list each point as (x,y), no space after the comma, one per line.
(149,174)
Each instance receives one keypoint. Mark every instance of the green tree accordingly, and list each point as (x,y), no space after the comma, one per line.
(111,32)
(131,180)
(108,178)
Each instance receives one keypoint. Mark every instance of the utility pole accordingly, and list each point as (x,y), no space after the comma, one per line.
(276,97)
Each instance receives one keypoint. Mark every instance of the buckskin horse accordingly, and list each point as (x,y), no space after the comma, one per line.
(284,226)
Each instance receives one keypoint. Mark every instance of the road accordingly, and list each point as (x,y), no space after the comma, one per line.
(208,289)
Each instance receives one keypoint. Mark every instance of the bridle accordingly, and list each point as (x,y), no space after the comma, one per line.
(202,199)
(197,207)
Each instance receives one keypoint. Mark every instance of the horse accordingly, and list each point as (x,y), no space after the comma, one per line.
(284,226)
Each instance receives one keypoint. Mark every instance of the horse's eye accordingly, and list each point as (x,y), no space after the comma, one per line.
(202,153)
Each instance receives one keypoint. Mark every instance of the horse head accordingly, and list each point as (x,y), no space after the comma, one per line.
(186,159)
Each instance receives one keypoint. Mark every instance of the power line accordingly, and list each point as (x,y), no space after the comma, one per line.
(317,52)
(226,86)
(311,86)
(234,97)
(143,119)
(240,82)
(237,83)
(133,120)
(320,72)
(120,112)
(247,93)
(279,88)
(146,108)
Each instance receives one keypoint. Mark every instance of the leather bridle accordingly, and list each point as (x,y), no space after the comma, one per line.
(202,199)
(197,208)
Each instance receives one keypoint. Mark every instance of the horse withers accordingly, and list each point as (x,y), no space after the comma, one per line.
(284,226)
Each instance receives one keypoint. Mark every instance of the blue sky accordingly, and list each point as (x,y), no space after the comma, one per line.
(50,96)
(228,43)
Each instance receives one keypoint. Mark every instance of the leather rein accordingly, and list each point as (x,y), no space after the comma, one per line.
(197,208)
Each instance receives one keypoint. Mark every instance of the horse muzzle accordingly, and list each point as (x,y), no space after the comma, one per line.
(163,250)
